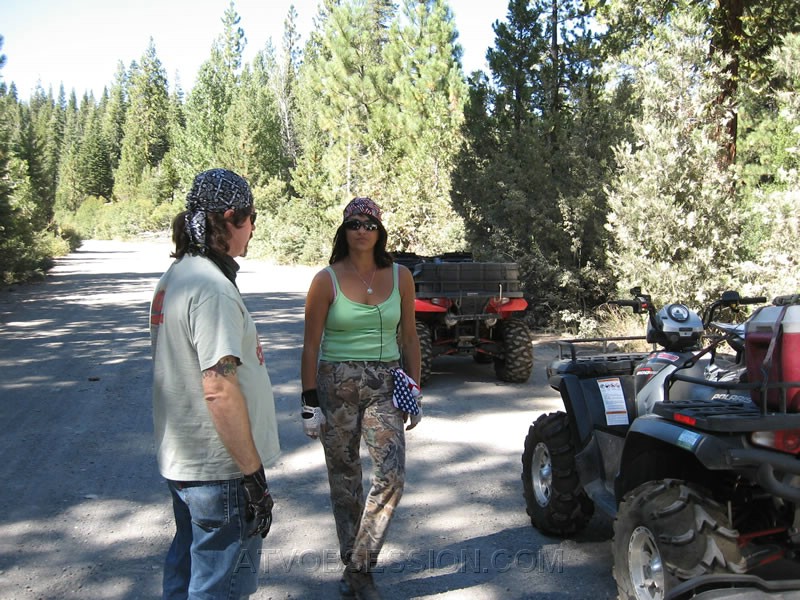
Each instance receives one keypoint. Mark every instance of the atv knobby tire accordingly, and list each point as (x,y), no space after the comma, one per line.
(517,361)
(425,351)
(669,531)
(554,497)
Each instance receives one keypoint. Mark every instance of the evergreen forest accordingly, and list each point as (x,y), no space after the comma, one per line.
(612,143)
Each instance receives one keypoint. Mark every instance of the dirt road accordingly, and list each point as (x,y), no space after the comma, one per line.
(85,514)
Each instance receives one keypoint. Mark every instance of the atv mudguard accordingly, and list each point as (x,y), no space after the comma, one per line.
(600,442)
(676,450)
(583,400)
(426,306)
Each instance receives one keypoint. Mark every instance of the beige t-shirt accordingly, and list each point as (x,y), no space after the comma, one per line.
(198,317)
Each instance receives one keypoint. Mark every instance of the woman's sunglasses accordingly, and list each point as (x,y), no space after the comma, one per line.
(355,225)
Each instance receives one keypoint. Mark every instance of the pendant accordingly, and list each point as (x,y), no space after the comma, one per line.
(369,290)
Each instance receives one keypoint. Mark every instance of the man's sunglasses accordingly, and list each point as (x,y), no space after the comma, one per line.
(355,225)
(253,216)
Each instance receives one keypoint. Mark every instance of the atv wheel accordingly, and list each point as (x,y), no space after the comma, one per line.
(554,498)
(666,532)
(425,351)
(517,361)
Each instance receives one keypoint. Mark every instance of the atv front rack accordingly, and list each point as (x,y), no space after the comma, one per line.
(590,357)
(569,349)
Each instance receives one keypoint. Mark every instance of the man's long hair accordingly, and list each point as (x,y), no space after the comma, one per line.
(341,250)
(218,234)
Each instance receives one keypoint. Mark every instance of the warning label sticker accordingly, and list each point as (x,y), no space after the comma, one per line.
(614,401)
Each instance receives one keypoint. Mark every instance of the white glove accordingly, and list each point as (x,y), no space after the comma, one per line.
(313,420)
(414,419)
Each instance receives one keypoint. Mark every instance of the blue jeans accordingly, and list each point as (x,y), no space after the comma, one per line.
(211,557)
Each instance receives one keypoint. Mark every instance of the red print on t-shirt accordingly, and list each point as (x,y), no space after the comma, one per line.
(259,353)
(157,308)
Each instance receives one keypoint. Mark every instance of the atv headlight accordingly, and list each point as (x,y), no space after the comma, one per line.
(491,321)
(450,319)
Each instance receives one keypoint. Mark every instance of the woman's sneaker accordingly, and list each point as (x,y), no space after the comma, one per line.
(345,591)
(361,583)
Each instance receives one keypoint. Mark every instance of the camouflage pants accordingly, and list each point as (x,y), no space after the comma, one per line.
(356,398)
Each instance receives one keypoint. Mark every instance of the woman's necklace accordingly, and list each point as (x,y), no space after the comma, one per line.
(371,279)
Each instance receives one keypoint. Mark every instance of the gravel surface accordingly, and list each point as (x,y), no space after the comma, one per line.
(85,514)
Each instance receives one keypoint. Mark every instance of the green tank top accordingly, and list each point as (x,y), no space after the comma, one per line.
(355,331)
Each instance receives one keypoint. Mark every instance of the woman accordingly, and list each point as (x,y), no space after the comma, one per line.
(353,310)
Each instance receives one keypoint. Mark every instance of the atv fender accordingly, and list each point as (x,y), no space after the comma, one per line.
(712,451)
(599,444)
(511,306)
(656,449)
(426,306)
(584,403)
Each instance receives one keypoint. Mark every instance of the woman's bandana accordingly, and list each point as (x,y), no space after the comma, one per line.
(213,191)
(362,206)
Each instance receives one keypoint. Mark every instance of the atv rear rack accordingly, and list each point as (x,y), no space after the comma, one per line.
(467,280)
(731,410)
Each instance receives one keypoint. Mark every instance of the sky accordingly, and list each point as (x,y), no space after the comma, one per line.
(80,42)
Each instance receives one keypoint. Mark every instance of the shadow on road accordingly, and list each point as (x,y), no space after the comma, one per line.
(85,513)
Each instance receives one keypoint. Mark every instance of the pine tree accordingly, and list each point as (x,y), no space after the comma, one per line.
(530,181)
(251,143)
(68,195)
(423,116)
(771,174)
(26,151)
(94,159)
(48,117)
(19,251)
(675,227)
(283,81)
(146,130)
(208,103)
(113,125)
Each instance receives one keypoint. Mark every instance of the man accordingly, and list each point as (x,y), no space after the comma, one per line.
(213,410)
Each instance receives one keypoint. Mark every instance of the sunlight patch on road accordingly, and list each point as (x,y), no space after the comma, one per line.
(500,431)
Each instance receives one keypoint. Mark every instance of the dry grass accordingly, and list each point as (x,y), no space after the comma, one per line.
(615,322)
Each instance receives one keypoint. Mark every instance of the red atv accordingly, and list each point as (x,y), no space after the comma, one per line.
(468,307)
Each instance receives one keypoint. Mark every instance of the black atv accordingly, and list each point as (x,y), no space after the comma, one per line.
(473,308)
(693,454)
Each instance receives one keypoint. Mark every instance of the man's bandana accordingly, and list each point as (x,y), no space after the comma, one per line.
(362,206)
(213,191)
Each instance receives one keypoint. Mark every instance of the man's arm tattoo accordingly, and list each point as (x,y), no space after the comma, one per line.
(225,367)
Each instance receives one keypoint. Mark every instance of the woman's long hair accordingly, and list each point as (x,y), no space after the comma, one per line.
(341,250)
(217,233)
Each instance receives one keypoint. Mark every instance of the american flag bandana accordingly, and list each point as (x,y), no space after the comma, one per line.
(406,392)
(362,206)
(213,191)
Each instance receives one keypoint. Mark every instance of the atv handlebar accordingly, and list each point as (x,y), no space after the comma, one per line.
(632,303)
(642,303)
(732,300)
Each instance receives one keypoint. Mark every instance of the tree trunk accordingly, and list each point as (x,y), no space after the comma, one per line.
(728,39)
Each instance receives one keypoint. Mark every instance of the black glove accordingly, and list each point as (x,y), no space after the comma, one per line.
(259,502)
(310,398)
